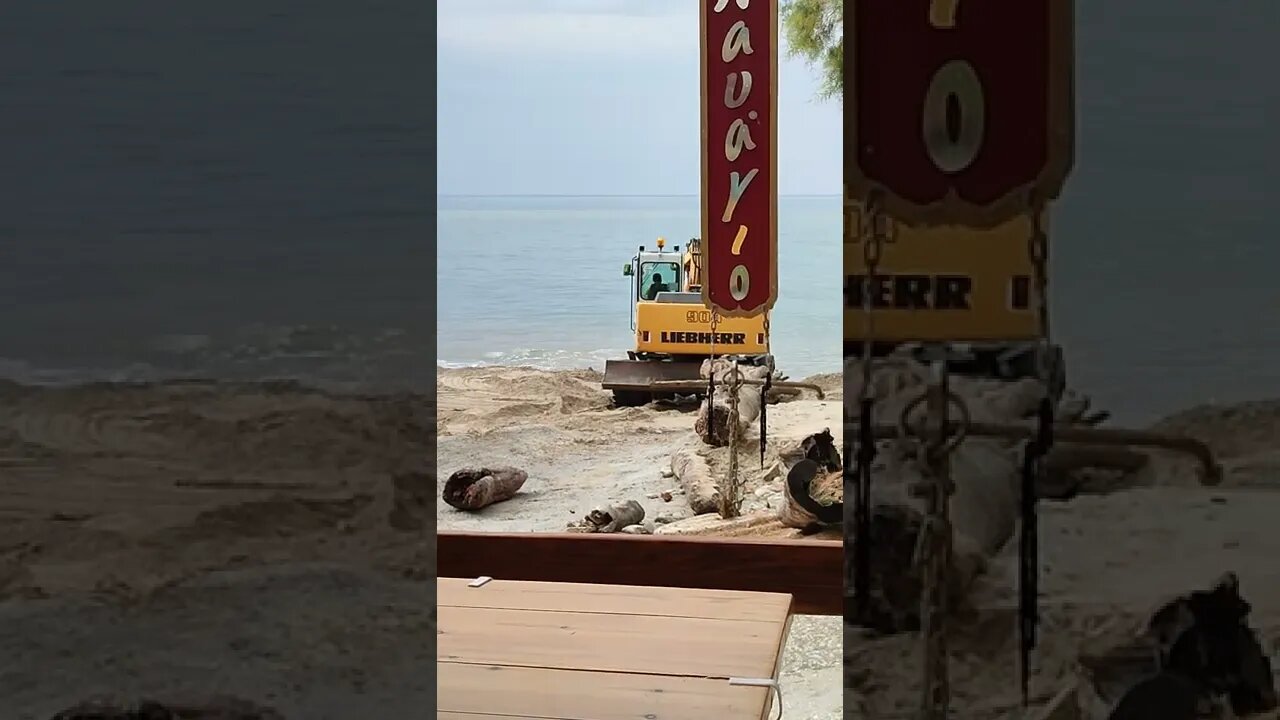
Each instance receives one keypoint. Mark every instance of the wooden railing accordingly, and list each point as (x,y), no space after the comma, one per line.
(811,571)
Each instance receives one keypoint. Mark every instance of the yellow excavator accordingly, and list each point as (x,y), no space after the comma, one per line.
(673,329)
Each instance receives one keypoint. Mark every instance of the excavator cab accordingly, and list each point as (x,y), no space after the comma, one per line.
(673,333)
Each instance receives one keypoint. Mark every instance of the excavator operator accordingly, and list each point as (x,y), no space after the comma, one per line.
(656,285)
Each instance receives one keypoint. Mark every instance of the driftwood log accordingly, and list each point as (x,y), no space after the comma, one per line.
(758,525)
(986,473)
(712,424)
(822,486)
(474,488)
(611,518)
(693,471)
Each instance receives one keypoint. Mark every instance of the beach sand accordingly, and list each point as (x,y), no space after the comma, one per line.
(181,540)
(187,539)
(580,453)
(1108,560)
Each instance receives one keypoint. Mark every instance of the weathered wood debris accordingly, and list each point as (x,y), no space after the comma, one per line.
(624,516)
(475,488)
(986,472)
(713,422)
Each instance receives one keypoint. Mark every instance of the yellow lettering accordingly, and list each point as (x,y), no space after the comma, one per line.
(737,241)
(942,14)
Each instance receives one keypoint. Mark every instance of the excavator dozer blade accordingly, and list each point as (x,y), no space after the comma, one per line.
(636,382)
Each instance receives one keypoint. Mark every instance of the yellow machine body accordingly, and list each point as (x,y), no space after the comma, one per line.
(673,328)
(673,333)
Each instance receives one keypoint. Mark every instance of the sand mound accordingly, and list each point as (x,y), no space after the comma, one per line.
(491,397)
(1245,438)
(234,427)
(275,517)
(1231,430)
(152,480)
(832,384)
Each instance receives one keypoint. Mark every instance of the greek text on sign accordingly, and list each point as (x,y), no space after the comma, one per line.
(739,155)
(957,111)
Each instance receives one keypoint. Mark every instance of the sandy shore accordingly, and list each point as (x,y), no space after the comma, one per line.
(187,539)
(580,453)
(181,540)
(1108,559)
(1107,562)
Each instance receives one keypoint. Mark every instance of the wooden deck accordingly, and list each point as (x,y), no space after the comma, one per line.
(567,651)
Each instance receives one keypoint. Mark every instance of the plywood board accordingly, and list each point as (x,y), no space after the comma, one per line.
(620,599)
(578,695)
(608,642)
(543,651)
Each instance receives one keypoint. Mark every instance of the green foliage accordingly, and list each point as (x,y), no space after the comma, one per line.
(814,30)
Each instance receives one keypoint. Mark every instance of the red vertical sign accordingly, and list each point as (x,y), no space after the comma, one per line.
(957,112)
(739,155)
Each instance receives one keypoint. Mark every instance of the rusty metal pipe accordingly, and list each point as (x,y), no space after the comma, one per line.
(778,384)
(1116,437)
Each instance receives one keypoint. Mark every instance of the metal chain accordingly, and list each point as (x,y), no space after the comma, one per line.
(858,478)
(715,322)
(1049,374)
(933,548)
(872,247)
(711,376)
(862,455)
(764,391)
(1038,251)
(733,500)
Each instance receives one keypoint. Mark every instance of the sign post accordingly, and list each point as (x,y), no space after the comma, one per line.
(739,155)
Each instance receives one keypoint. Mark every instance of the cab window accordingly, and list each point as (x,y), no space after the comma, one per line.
(656,277)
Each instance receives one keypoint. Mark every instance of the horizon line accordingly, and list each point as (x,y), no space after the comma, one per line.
(599,195)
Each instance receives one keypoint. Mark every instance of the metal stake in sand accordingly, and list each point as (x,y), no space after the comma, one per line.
(731,494)
(933,548)
(1049,370)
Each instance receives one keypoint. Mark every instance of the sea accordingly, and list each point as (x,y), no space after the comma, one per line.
(229,190)
(150,226)
(538,280)
(1164,244)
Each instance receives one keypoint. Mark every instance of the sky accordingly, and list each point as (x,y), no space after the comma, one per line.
(598,97)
